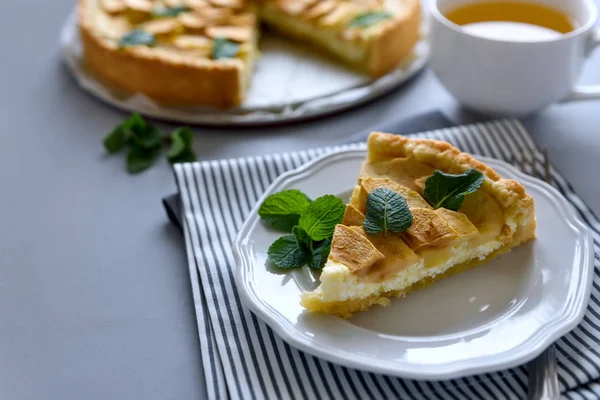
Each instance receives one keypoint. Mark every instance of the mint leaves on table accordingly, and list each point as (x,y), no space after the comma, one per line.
(282,210)
(145,142)
(312,229)
(224,48)
(139,158)
(367,19)
(169,11)
(181,149)
(449,190)
(387,211)
(137,37)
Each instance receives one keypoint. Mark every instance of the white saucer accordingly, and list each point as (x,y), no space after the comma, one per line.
(494,317)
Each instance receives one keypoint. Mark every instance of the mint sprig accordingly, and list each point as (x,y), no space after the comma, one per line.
(181,149)
(321,216)
(282,210)
(449,190)
(145,143)
(387,211)
(320,254)
(310,241)
(302,238)
(139,158)
(286,253)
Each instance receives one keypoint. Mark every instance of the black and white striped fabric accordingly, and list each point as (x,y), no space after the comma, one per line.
(244,359)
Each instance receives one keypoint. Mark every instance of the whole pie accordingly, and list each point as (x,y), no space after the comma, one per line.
(365,269)
(202,52)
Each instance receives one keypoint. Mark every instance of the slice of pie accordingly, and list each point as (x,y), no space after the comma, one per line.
(202,52)
(365,269)
(372,36)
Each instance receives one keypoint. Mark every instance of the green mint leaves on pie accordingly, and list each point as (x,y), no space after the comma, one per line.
(370,18)
(286,253)
(137,37)
(169,11)
(224,48)
(321,216)
(311,223)
(449,190)
(282,210)
(387,211)
(145,143)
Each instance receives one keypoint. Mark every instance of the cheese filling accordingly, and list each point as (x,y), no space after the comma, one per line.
(339,284)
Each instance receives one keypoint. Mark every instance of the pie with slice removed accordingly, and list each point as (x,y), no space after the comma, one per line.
(366,269)
(202,52)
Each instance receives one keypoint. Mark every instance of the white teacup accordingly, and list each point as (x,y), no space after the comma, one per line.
(513,78)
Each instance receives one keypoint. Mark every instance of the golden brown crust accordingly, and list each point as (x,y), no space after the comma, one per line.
(353,217)
(353,250)
(510,194)
(383,46)
(167,79)
(396,40)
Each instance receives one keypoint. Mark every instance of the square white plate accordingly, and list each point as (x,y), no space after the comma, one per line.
(493,317)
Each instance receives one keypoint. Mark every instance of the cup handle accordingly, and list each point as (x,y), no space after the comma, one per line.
(587,92)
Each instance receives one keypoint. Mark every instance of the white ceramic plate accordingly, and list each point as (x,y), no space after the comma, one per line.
(290,82)
(494,317)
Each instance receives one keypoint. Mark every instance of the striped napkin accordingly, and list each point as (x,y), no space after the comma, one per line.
(244,359)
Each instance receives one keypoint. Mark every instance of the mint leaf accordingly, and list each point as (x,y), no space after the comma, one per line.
(224,48)
(387,211)
(140,132)
(181,149)
(139,158)
(145,142)
(177,147)
(115,140)
(302,238)
(147,138)
(186,156)
(137,37)
(449,190)
(135,123)
(320,254)
(169,11)
(285,253)
(181,139)
(369,18)
(282,210)
(321,216)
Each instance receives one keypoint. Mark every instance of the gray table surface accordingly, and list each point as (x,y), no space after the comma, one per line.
(95,301)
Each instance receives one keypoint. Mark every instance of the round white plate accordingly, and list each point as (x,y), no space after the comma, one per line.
(290,82)
(494,317)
